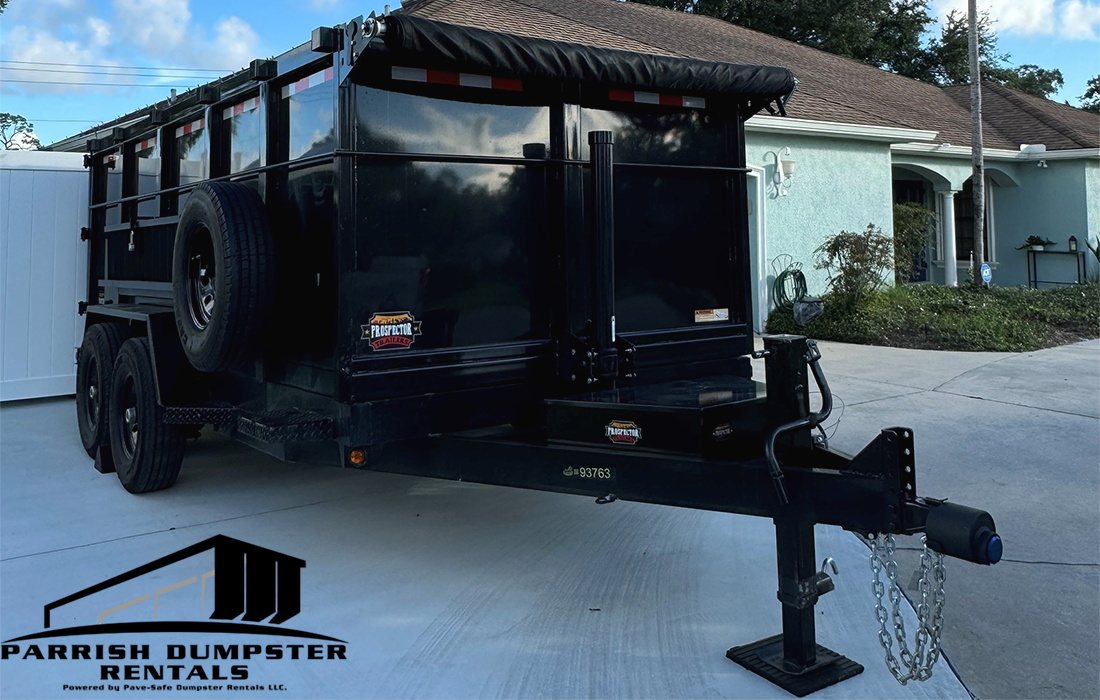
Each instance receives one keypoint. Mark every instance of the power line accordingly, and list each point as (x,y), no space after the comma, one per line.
(101,65)
(62,82)
(67,121)
(117,75)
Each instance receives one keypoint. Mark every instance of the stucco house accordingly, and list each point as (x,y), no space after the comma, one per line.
(861,139)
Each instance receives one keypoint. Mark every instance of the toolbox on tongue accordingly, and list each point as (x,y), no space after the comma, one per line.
(720,416)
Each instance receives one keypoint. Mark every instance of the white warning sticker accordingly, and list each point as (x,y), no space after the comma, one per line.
(707,315)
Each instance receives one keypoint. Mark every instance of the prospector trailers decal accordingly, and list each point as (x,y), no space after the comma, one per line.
(623,432)
(393,330)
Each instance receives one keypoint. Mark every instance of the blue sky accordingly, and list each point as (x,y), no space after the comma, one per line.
(175,43)
(181,43)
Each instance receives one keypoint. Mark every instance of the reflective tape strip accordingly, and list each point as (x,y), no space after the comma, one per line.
(239,109)
(653,98)
(478,81)
(188,128)
(308,82)
(147,144)
(507,84)
(416,75)
(442,77)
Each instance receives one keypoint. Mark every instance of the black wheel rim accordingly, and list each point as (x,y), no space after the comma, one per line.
(128,408)
(92,395)
(201,275)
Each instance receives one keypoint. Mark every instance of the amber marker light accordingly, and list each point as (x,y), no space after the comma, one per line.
(358,457)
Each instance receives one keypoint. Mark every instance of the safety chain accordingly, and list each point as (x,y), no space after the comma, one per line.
(916,665)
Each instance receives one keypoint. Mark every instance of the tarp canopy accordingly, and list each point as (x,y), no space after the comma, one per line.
(449,46)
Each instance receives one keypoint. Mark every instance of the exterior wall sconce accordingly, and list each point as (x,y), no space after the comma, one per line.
(1073,244)
(784,171)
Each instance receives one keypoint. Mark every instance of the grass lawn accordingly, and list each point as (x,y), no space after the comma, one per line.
(934,317)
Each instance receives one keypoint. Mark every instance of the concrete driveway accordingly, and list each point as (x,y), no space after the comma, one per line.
(455,590)
(1017,435)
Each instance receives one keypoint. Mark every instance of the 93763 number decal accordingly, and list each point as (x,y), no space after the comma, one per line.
(603,473)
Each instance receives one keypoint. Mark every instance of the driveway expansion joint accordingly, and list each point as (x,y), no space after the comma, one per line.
(1018,405)
(962,374)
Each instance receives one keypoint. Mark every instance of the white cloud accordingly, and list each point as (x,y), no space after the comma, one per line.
(24,141)
(1026,16)
(145,32)
(235,43)
(1021,16)
(157,27)
(163,29)
(1080,20)
(99,31)
(40,46)
(1071,19)
(42,12)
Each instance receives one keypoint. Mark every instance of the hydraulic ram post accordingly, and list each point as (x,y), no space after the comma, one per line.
(603,254)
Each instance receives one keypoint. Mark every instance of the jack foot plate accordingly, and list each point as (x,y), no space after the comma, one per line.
(765,659)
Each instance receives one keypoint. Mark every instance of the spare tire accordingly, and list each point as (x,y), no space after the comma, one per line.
(223,271)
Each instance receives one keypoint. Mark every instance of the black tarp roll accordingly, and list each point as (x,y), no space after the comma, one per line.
(453,47)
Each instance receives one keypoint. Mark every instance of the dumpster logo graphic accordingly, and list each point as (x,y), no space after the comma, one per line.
(393,330)
(246,586)
(623,432)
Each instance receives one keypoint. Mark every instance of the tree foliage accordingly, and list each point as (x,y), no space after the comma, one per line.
(1033,80)
(948,62)
(16,133)
(887,34)
(880,32)
(1090,101)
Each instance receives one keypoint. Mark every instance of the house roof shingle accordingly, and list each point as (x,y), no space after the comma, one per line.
(831,88)
(1022,118)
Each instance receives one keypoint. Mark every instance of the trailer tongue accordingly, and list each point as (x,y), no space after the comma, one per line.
(700,444)
(435,250)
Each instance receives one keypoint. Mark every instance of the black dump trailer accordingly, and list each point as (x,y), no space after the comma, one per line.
(415,247)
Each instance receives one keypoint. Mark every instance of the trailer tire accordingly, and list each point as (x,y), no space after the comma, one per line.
(95,361)
(147,452)
(223,272)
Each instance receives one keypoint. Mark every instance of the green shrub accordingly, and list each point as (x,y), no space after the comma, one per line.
(912,224)
(995,319)
(857,263)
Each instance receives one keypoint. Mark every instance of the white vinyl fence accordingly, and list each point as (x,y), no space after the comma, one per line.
(43,271)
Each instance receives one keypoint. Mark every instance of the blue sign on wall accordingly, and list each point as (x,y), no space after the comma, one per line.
(987,273)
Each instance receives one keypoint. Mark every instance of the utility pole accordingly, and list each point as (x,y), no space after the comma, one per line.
(977,158)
